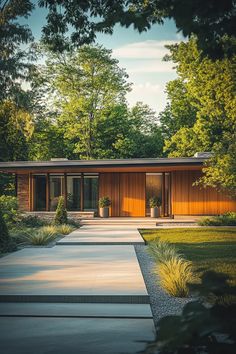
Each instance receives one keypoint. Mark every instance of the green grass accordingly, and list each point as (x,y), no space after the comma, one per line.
(207,248)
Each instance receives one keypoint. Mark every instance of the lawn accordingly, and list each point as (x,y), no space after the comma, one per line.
(208,248)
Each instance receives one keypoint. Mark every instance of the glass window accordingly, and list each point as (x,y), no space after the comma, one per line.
(74,192)
(39,193)
(56,190)
(153,188)
(90,192)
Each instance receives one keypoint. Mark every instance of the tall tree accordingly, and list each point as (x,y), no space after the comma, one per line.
(211,88)
(213,22)
(14,60)
(85,86)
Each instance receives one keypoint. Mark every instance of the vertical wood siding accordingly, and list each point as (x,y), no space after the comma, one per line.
(23,192)
(193,200)
(126,191)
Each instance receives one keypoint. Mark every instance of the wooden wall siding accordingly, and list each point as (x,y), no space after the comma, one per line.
(109,185)
(23,192)
(192,200)
(132,194)
(126,191)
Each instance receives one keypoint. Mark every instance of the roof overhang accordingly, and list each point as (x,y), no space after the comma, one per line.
(126,164)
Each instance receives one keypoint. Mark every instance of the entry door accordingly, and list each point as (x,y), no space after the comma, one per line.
(132,194)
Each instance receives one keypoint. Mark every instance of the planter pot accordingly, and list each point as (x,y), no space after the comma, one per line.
(104,212)
(154,212)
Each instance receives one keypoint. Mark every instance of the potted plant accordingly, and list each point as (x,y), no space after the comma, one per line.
(104,204)
(154,203)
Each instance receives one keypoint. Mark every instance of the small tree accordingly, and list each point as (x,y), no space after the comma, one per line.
(61,212)
(6,244)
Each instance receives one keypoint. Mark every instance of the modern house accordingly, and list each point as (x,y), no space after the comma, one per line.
(129,183)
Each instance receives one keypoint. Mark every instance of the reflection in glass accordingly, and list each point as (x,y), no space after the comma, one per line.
(153,188)
(90,192)
(56,190)
(39,193)
(74,192)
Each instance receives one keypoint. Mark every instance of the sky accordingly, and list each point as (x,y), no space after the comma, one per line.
(139,54)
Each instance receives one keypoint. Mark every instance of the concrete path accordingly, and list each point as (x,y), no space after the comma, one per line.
(82,297)
(112,234)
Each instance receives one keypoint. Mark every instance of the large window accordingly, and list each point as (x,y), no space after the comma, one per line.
(90,192)
(56,190)
(153,188)
(39,193)
(74,192)
(158,185)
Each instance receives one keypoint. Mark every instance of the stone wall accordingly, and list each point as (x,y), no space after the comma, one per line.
(23,192)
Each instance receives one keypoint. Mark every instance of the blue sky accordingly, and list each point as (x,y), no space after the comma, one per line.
(140,54)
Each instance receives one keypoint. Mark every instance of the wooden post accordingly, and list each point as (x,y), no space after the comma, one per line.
(65,189)
(163,195)
(47,192)
(82,192)
(30,192)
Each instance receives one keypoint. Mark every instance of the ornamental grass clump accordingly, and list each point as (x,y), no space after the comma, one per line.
(61,212)
(162,251)
(173,270)
(65,229)
(175,274)
(39,238)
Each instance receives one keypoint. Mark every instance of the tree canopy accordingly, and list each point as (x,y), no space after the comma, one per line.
(209,88)
(213,22)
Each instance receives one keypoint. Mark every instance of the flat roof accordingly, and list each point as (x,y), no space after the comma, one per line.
(140,162)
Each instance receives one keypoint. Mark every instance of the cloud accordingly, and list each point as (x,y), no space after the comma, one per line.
(148,66)
(149,49)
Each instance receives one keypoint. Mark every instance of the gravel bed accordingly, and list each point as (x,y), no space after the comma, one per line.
(162,304)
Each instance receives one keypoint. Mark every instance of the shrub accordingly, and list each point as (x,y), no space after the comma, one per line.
(154,202)
(162,251)
(9,207)
(65,229)
(61,213)
(33,221)
(39,238)
(6,244)
(104,202)
(175,274)
(227,219)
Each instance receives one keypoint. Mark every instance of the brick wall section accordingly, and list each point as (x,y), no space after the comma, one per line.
(23,192)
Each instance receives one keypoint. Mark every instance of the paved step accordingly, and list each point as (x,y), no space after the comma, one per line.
(82,310)
(103,235)
(88,274)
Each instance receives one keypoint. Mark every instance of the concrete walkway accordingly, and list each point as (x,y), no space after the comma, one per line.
(84,296)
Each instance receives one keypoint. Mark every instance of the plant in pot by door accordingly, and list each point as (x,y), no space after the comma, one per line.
(104,204)
(154,203)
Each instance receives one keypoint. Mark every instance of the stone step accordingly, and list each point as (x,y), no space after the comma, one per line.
(82,310)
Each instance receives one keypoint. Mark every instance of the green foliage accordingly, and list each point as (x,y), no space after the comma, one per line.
(61,213)
(104,202)
(14,63)
(202,326)
(65,229)
(9,208)
(162,251)
(38,238)
(210,90)
(212,22)
(175,275)
(227,219)
(33,221)
(97,125)
(154,202)
(6,244)
(16,128)
(175,272)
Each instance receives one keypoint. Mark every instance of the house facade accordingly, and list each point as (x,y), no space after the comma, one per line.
(129,183)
